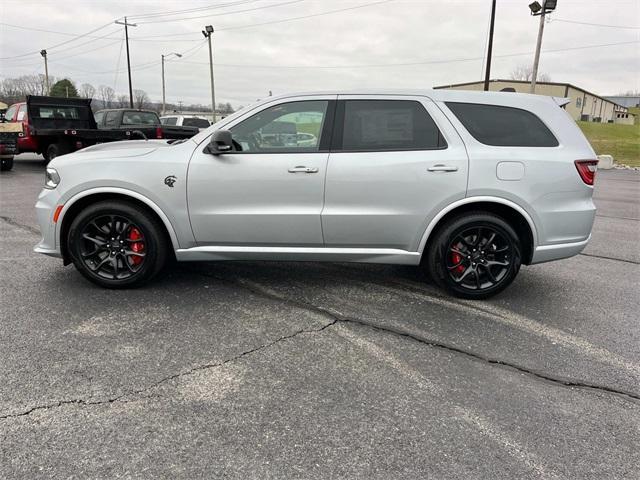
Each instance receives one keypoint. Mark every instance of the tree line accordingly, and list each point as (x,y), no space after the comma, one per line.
(13,90)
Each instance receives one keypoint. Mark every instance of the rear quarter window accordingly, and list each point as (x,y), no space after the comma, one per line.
(501,126)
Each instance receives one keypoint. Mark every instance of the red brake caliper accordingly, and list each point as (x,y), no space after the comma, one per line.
(455,259)
(138,247)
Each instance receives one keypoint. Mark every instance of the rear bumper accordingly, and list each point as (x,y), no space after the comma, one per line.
(548,253)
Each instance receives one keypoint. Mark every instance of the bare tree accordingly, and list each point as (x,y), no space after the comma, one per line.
(123,101)
(106,94)
(15,89)
(140,99)
(87,90)
(525,72)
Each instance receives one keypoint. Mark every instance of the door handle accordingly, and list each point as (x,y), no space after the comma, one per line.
(303,169)
(443,168)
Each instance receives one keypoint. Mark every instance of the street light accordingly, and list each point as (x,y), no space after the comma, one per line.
(207,32)
(46,69)
(548,6)
(163,89)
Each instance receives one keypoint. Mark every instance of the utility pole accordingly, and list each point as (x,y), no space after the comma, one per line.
(536,58)
(547,6)
(207,32)
(490,48)
(163,88)
(46,70)
(126,36)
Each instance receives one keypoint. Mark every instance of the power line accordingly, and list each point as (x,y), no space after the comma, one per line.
(594,24)
(283,20)
(416,63)
(223,13)
(192,10)
(291,19)
(61,43)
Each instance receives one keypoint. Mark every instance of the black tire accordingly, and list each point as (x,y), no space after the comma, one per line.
(119,271)
(6,164)
(474,271)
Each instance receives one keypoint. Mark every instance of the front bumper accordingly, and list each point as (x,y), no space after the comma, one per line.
(45,207)
(548,253)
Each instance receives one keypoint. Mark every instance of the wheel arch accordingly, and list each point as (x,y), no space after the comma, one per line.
(513,213)
(83,199)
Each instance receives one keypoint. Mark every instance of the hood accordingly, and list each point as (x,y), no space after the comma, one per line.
(126,148)
(111,150)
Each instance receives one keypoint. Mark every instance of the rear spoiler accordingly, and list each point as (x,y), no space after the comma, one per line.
(561,101)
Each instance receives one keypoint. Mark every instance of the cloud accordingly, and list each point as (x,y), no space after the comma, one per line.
(306,54)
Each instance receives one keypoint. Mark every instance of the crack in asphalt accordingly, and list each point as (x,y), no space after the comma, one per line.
(610,258)
(339,317)
(14,223)
(166,379)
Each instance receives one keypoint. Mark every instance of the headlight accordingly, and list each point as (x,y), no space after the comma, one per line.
(51,178)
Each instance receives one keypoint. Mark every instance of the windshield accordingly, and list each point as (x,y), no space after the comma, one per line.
(140,118)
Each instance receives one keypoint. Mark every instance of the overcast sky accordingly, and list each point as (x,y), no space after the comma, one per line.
(390,44)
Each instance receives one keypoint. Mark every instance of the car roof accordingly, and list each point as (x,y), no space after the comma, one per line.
(438,95)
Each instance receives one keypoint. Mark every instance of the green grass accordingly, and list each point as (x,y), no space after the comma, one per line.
(636,112)
(620,141)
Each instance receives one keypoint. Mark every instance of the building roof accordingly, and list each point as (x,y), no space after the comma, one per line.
(558,84)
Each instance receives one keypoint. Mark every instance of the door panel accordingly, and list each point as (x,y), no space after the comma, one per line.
(385,199)
(269,193)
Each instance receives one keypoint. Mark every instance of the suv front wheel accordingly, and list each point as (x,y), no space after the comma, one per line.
(116,244)
(474,256)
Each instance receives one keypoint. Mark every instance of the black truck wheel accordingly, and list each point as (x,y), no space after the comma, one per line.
(6,164)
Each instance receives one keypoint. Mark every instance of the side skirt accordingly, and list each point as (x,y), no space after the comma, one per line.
(303,254)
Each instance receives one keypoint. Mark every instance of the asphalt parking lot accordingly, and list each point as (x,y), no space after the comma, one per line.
(304,370)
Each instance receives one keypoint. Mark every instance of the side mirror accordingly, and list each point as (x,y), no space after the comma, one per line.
(221,142)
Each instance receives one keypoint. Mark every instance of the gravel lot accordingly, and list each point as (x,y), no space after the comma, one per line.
(305,370)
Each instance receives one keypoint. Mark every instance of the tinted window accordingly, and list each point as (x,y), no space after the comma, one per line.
(388,125)
(169,120)
(503,126)
(195,122)
(140,118)
(98,116)
(288,127)
(111,119)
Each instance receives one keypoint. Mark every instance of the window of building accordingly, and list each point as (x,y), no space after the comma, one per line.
(284,128)
(373,125)
(503,126)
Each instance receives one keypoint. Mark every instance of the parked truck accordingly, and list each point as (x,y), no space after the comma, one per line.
(9,134)
(54,126)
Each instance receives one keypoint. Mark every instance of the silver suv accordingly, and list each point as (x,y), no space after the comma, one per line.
(467,185)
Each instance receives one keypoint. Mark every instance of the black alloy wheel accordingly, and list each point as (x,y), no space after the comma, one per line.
(117,244)
(113,247)
(475,256)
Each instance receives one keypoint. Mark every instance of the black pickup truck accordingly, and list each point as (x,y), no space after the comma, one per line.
(54,126)
(146,122)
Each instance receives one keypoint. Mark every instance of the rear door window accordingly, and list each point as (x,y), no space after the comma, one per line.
(99,117)
(111,119)
(374,125)
(503,126)
(169,120)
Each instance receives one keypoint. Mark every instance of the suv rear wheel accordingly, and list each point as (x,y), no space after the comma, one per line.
(474,256)
(116,244)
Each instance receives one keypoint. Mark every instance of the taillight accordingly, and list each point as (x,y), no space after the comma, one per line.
(158,132)
(587,170)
